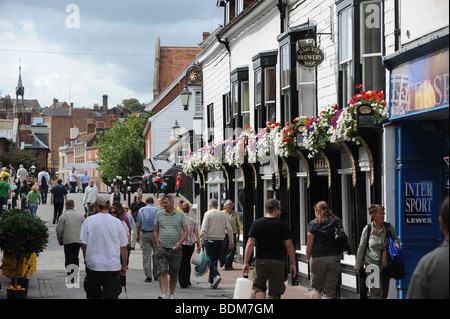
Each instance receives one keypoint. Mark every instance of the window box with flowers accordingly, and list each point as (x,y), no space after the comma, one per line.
(285,142)
(317,131)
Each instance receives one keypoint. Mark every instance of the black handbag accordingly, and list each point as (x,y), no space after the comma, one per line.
(340,238)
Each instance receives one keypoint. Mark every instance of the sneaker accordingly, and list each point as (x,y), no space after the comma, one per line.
(216,282)
(164,296)
(148,280)
(171,297)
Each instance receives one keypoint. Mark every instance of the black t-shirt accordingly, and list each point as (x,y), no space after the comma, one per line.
(270,234)
(58,192)
(323,238)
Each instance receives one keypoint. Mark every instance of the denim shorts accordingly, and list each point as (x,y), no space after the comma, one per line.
(168,260)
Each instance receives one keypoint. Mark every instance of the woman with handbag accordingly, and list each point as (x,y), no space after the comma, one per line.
(322,254)
(373,240)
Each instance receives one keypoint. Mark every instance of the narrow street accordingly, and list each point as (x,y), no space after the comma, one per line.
(49,279)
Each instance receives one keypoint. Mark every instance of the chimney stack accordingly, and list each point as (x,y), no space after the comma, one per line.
(105,103)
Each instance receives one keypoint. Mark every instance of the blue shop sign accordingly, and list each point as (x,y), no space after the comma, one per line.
(418,205)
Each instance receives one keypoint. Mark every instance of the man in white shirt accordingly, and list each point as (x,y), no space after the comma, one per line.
(104,244)
(90,195)
(73,180)
(214,227)
(22,174)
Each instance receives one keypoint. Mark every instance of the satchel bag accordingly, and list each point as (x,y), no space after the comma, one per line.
(340,238)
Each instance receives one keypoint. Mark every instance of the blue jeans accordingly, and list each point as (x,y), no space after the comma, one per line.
(213,250)
(33,208)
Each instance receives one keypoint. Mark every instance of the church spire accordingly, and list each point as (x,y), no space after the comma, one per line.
(20,90)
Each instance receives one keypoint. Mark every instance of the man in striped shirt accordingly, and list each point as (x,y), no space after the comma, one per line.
(170,232)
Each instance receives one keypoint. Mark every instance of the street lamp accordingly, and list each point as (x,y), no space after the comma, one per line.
(175,130)
(185,97)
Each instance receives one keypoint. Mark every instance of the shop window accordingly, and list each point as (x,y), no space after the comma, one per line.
(245,102)
(270,94)
(285,61)
(346,54)
(371,45)
(238,115)
(298,84)
(265,87)
(210,122)
(306,85)
(198,104)
(360,31)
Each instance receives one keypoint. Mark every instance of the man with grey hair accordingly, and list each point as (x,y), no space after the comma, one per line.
(214,226)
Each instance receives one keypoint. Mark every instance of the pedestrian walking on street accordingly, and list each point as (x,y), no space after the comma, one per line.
(227,257)
(90,195)
(430,278)
(104,244)
(57,199)
(44,182)
(34,199)
(84,180)
(145,237)
(170,232)
(214,227)
(158,183)
(22,174)
(272,239)
(179,182)
(68,234)
(5,193)
(370,249)
(121,214)
(73,180)
(24,190)
(118,211)
(323,256)
(184,274)
(116,196)
(134,209)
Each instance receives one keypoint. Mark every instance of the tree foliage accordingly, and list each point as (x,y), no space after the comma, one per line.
(133,105)
(121,150)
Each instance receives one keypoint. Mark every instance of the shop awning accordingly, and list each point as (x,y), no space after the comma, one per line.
(165,155)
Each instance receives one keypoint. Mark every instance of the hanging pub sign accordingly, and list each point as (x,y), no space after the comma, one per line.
(418,205)
(309,56)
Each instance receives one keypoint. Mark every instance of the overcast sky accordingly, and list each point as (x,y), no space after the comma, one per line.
(111,51)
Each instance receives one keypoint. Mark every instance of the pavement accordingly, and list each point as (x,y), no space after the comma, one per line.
(49,280)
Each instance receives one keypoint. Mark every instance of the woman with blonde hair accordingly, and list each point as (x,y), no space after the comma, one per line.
(371,247)
(34,199)
(188,246)
(322,254)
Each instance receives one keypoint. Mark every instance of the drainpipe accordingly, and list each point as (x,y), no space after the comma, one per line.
(282,8)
